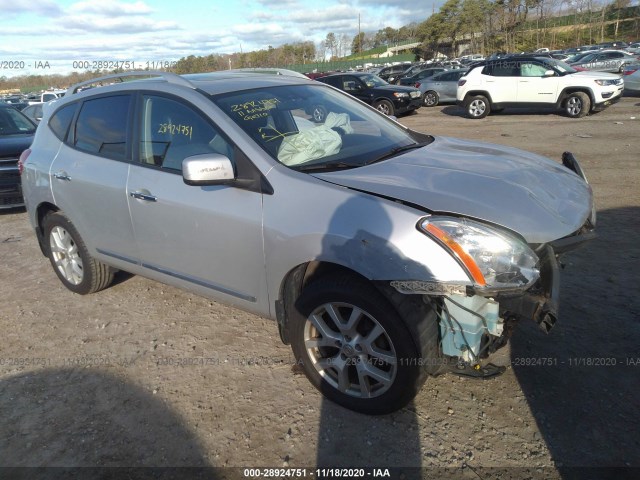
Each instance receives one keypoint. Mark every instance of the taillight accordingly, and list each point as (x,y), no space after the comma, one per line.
(461,82)
(629,72)
(22,160)
(579,69)
(417,85)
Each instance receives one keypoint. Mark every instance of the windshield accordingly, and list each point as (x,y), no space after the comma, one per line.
(588,58)
(373,81)
(576,57)
(12,122)
(316,127)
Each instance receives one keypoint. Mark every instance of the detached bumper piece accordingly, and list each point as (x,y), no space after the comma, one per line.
(541,302)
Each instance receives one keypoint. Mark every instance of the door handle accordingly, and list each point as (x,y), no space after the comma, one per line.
(143,196)
(62,176)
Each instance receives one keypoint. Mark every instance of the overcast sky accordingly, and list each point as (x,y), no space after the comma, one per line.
(61,32)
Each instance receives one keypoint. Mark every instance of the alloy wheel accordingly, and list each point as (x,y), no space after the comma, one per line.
(350,349)
(65,255)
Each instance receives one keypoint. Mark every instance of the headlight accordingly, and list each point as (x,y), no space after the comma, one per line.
(400,94)
(607,82)
(492,258)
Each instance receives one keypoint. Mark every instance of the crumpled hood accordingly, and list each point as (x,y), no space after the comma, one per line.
(527,193)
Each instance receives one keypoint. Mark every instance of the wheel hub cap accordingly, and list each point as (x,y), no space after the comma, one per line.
(351,350)
(64,251)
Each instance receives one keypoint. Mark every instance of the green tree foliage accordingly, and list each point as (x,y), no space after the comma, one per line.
(357,45)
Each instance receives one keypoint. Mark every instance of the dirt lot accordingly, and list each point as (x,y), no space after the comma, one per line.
(147,375)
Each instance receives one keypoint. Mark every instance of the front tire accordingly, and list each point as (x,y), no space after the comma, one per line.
(319,114)
(430,99)
(70,259)
(354,347)
(577,105)
(477,107)
(384,106)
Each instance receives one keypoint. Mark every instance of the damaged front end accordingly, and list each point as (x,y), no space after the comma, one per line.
(510,281)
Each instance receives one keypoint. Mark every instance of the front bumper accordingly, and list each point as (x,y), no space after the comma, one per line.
(598,107)
(10,187)
(403,106)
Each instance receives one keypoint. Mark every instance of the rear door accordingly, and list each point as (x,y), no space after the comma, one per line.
(209,238)
(501,79)
(89,175)
(447,84)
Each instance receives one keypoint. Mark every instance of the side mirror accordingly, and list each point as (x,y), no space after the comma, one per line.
(207,169)
(549,73)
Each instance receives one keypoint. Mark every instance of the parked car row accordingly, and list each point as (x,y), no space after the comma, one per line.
(604,61)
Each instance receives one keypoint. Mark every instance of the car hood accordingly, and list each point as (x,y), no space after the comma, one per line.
(592,74)
(11,145)
(527,193)
(395,88)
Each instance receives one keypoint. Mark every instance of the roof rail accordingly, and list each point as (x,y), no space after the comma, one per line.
(168,76)
(268,71)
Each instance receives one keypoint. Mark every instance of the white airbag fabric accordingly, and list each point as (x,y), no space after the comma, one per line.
(320,141)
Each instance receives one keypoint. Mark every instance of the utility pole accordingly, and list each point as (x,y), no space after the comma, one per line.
(359,38)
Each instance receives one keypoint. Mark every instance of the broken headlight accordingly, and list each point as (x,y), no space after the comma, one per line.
(494,259)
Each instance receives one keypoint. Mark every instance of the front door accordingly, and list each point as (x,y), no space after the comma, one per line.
(206,238)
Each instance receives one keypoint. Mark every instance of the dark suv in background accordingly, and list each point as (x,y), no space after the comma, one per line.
(393,72)
(16,134)
(388,99)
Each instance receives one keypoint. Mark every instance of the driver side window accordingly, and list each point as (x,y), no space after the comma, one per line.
(350,84)
(171,131)
(530,69)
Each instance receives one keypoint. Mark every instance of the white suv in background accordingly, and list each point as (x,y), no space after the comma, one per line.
(524,81)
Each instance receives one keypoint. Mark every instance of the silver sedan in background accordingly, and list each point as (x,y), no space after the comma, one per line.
(606,61)
(632,78)
(441,87)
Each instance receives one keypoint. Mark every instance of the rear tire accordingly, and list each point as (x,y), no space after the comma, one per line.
(577,105)
(70,259)
(430,99)
(319,113)
(355,348)
(477,106)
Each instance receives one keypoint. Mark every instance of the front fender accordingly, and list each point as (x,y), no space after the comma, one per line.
(372,236)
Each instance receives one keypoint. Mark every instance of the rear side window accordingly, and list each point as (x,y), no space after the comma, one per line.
(334,81)
(503,69)
(60,121)
(102,126)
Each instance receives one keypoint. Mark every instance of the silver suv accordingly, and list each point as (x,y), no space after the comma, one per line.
(383,254)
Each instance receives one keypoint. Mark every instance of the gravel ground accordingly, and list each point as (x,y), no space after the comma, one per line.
(142,374)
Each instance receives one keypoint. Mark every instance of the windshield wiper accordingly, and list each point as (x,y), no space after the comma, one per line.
(325,166)
(395,151)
